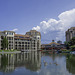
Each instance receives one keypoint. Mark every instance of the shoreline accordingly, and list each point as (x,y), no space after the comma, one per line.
(10,52)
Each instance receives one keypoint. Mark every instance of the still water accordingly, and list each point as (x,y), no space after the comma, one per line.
(36,63)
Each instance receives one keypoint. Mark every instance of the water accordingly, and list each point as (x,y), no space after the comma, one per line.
(36,63)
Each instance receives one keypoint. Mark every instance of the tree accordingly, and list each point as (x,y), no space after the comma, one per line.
(4,62)
(67,44)
(73,47)
(5,43)
(72,41)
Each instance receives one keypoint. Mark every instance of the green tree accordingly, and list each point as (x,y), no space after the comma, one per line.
(4,62)
(73,47)
(67,44)
(70,63)
(72,41)
(5,43)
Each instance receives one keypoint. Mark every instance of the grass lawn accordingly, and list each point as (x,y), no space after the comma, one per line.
(8,50)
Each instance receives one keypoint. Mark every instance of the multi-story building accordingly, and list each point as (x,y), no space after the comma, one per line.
(70,33)
(22,42)
(36,40)
(10,37)
(30,41)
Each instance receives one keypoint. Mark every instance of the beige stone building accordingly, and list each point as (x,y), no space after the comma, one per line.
(70,33)
(36,38)
(10,37)
(30,41)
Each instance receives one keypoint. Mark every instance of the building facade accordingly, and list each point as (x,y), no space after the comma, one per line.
(36,40)
(70,33)
(52,46)
(30,41)
(10,37)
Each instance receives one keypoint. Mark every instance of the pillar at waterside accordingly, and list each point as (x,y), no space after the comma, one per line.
(0,60)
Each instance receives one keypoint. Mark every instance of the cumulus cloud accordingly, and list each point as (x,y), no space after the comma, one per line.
(15,29)
(55,29)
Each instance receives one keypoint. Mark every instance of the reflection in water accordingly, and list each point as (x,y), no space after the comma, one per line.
(4,62)
(33,64)
(31,61)
(70,63)
(56,65)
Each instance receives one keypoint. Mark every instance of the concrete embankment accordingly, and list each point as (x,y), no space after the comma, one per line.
(10,52)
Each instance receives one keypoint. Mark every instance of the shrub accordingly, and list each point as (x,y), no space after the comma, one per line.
(73,47)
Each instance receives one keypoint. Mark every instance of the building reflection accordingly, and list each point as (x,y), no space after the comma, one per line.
(30,60)
(70,63)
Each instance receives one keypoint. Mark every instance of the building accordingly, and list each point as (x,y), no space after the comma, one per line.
(30,41)
(10,37)
(52,45)
(60,42)
(22,42)
(36,40)
(70,33)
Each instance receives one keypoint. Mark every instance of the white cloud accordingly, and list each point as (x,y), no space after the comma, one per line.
(36,28)
(15,29)
(55,29)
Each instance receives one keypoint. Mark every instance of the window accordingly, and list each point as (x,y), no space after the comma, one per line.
(57,45)
(22,45)
(16,36)
(38,37)
(9,41)
(35,33)
(28,46)
(34,37)
(2,37)
(16,42)
(22,42)
(28,42)
(27,37)
(25,45)
(25,42)
(19,42)
(21,37)
(53,45)
(9,38)
(34,45)
(12,33)
(74,33)
(29,33)
(9,33)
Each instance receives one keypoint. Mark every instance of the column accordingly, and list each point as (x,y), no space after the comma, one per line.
(0,59)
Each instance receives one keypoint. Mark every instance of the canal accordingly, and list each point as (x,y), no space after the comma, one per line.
(37,63)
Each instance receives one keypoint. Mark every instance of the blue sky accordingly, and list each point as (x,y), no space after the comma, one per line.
(23,15)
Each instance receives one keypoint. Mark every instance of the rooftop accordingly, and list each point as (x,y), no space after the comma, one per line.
(34,31)
(22,35)
(52,43)
(8,31)
(70,29)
